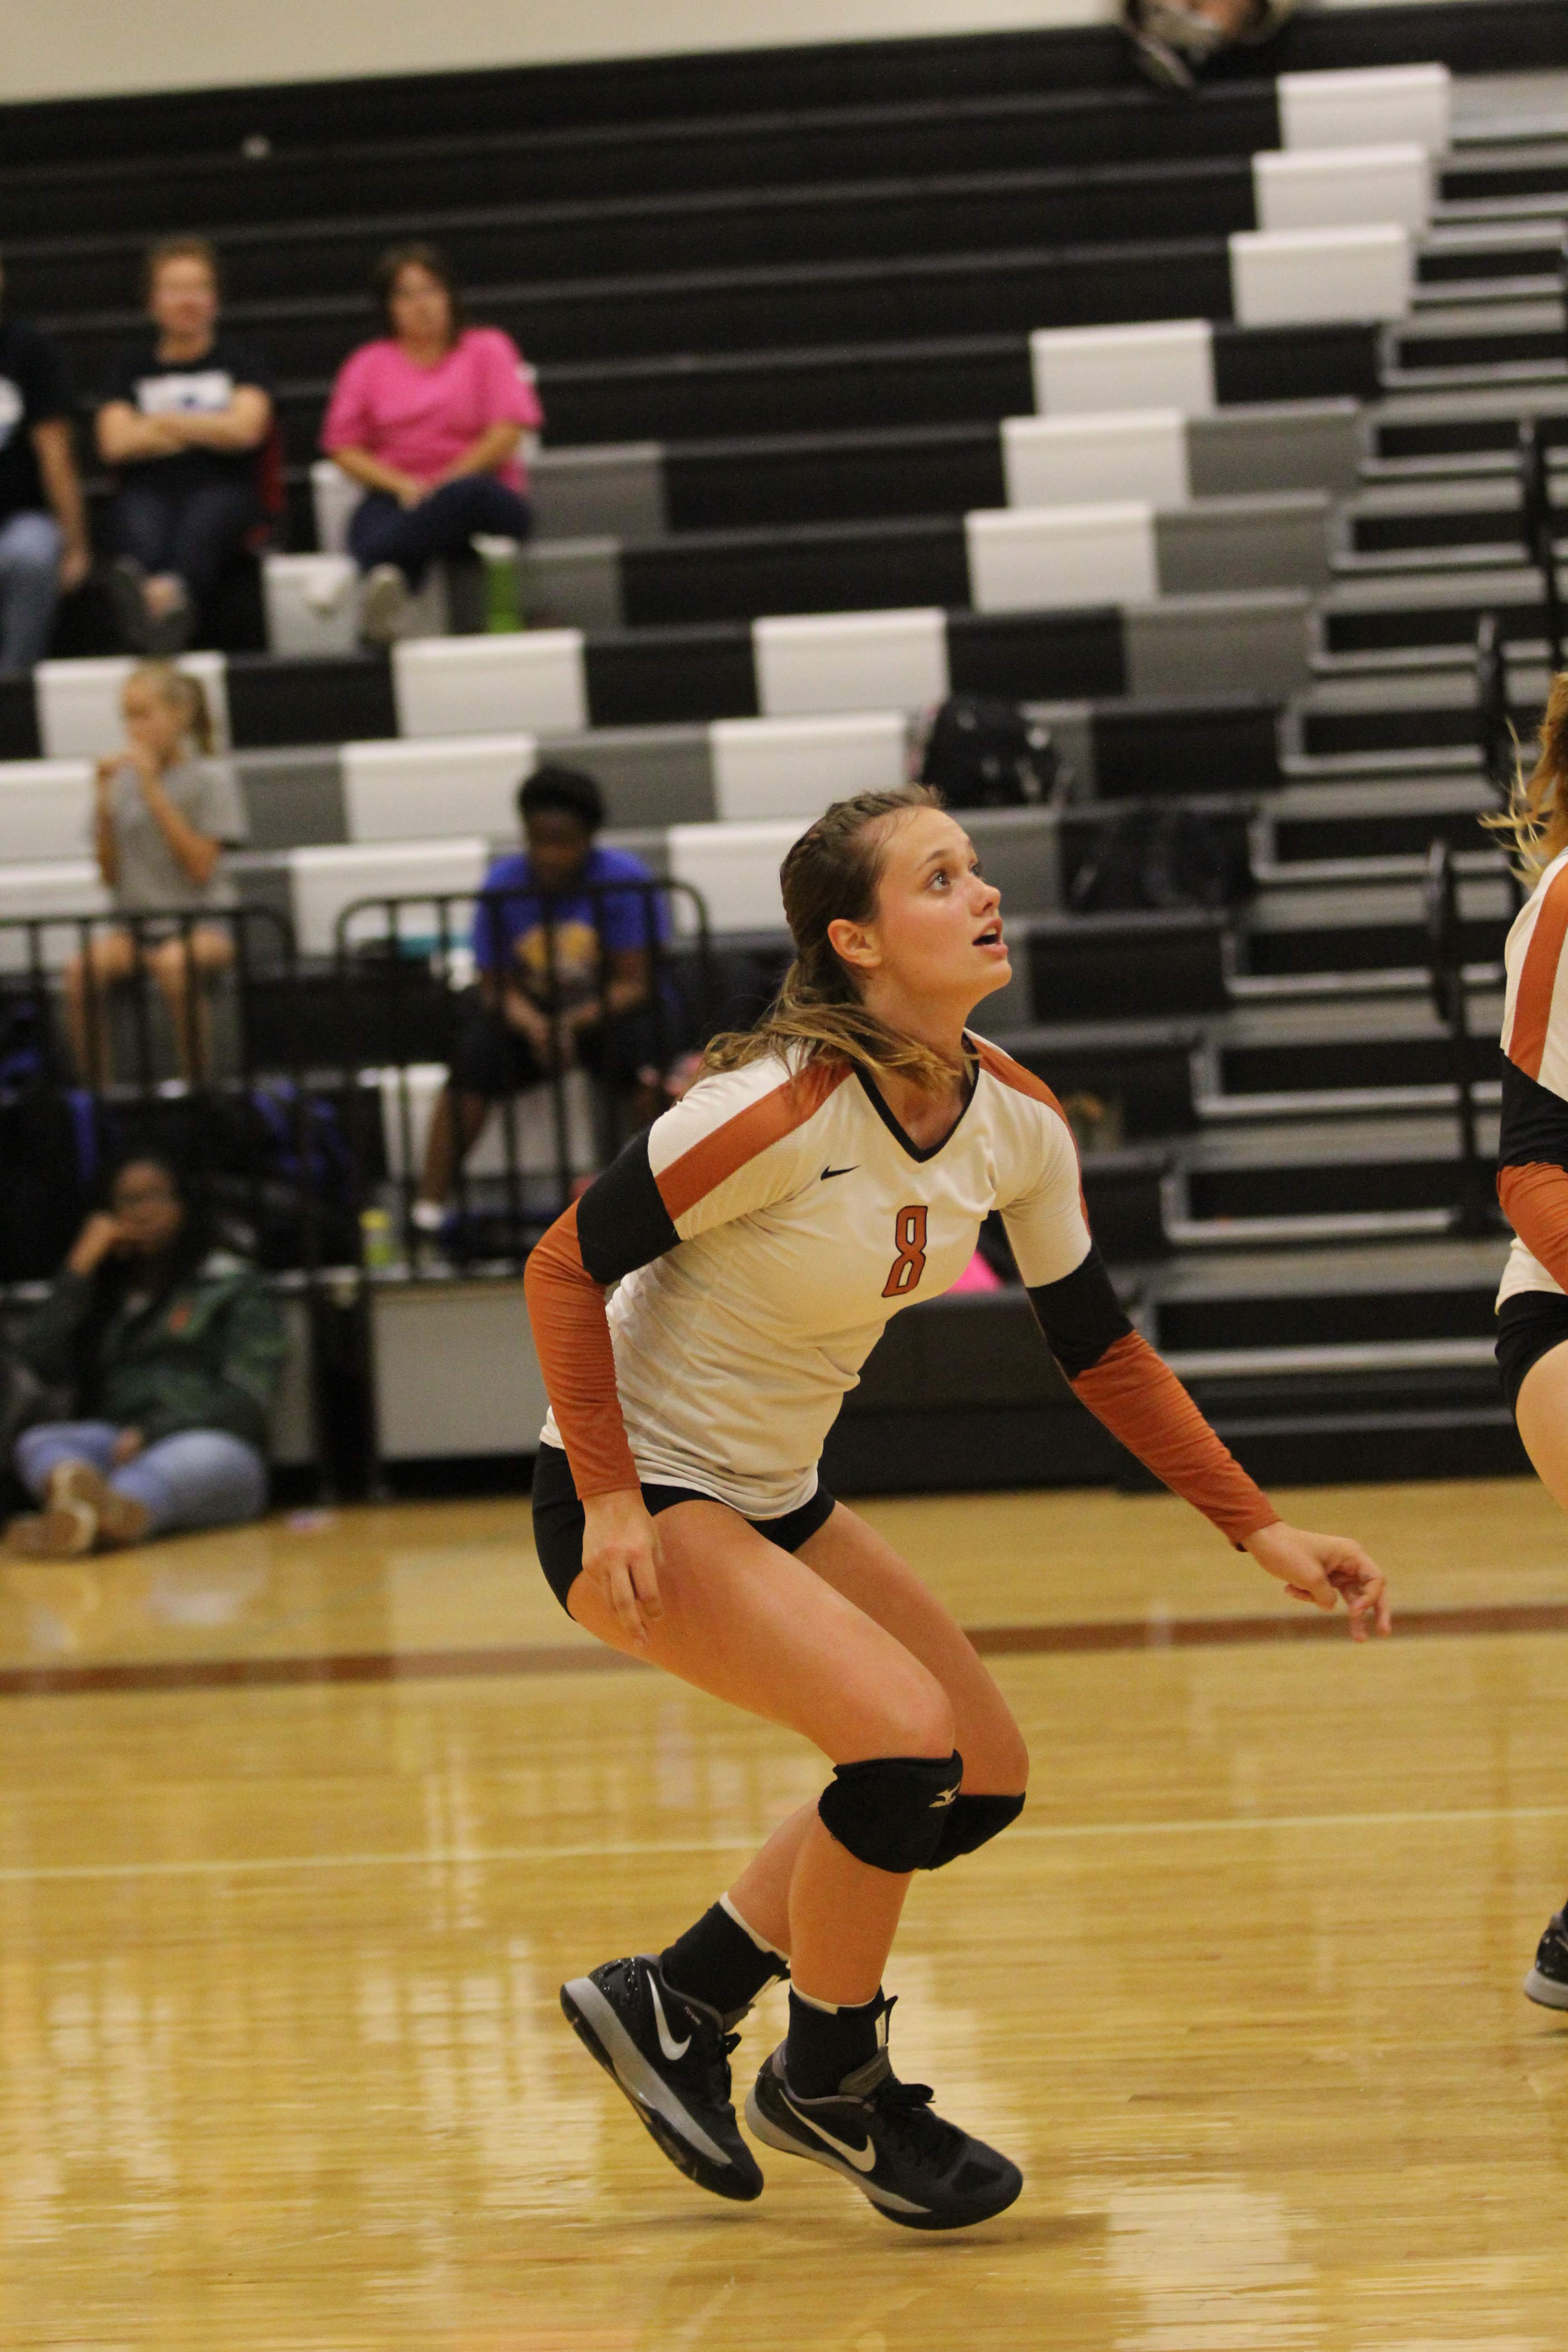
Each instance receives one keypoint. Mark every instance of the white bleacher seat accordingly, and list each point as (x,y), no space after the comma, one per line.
(1044,559)
(534,679)
(1085,371)
(431,789)
(814,663)
(334,498)
(533,1114)
(1364,106)
(62,887)
(1283,278)
(79,702)
(1344,187)
(794,767)
(736,869)
(323,881)
(45,809)
(311,602)
(1067,461)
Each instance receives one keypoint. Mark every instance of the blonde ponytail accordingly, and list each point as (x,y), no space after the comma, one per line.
(181,692)
(831,875)
(1536,820)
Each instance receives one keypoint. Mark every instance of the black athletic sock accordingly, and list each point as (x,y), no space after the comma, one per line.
(824,2044)
(719,1962)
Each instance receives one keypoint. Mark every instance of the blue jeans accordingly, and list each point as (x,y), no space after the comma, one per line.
(30,545)
(195,533)
(197,1478)
(381,531)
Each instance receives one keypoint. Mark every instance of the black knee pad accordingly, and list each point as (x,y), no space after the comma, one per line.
(889,1812)
(970,1821)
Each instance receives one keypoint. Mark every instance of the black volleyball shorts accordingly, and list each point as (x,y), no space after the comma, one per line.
(1529,1326)
(558,1518)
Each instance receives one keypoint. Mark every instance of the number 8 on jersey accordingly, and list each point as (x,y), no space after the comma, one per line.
(910,1241)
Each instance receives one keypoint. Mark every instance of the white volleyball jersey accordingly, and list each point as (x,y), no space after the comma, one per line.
(1534,1132)
(762,1233)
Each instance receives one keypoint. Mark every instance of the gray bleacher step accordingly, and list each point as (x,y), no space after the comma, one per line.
(1545,375)
(1497,108)
(1306,1232)
(1323,873)
(1340,1102)
(1351,1356)
(1363,989)
(1331,768)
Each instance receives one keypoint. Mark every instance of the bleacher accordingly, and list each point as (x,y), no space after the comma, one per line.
(887,370)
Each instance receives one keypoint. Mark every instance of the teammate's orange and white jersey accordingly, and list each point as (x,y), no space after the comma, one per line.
(1532,1153)
(762,1233)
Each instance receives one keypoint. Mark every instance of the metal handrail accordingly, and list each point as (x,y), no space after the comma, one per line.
(1450,996)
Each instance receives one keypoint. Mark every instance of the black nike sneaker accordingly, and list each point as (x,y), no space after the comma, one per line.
(670,2055)
(1548,1980)
(886,2142)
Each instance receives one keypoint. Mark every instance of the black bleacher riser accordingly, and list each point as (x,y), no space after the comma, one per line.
(1379,836)
(1316,362)
(820,478)
(1325,732)
(746,310)
(1327,1317)
(341,699)
(19,737)
(1158,748)
(649,677)
(1318,1188)
(1523,615)
(1032,656)
(1486,347)
(1019,132)
(820,567)
(838,221)
(1338,1062)
(1359,948)
(1098,967)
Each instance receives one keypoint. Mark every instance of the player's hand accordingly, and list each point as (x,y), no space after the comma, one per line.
(620,1552)
(1323,1571)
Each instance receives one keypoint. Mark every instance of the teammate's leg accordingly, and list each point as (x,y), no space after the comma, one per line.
(1541,1415)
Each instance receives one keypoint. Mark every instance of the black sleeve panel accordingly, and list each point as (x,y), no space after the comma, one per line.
(622,1222)
(1080,1315)
(1534,1122)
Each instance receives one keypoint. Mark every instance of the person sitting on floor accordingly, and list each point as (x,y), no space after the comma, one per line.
(44,547)
(428,418)
(164,811)
(173,1349)
(576,987)
(182,420)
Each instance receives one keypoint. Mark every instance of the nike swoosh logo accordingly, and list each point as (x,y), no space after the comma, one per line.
(864,2160)
(839,1171)
(671,2049)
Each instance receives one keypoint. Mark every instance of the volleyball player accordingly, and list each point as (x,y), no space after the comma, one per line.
(826,1169)
(1533,1168)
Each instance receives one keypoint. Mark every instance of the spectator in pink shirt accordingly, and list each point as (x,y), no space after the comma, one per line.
(428,418)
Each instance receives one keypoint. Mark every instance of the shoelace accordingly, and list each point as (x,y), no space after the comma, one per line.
(906,2106)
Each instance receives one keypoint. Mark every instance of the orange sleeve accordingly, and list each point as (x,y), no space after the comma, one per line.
(1143,1402)
(572,1334)
(1535,1202)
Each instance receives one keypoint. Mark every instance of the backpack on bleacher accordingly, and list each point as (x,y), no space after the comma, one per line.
(981,752)
(1155,856)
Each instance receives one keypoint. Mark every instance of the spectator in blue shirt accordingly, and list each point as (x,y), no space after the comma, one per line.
(565,976)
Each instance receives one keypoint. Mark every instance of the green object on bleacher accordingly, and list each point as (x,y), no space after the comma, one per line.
(502,612)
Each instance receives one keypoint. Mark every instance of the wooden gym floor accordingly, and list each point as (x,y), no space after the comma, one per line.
(302,1827)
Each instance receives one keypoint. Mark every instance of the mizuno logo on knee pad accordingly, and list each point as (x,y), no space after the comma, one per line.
(888,1812)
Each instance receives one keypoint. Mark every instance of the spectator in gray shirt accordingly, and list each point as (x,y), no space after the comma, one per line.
(164,811)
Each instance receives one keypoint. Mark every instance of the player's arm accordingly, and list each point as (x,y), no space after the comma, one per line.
(1112,1370)
(1532,1144)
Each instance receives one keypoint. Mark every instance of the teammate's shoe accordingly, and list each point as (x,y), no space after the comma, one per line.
(670,2055)
(883,2136)
(1548,1980)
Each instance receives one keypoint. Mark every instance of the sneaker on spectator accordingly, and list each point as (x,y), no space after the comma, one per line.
(385,602)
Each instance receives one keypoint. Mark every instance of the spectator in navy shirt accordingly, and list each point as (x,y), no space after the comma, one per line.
(566,966)
(183,422)
(43,523)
